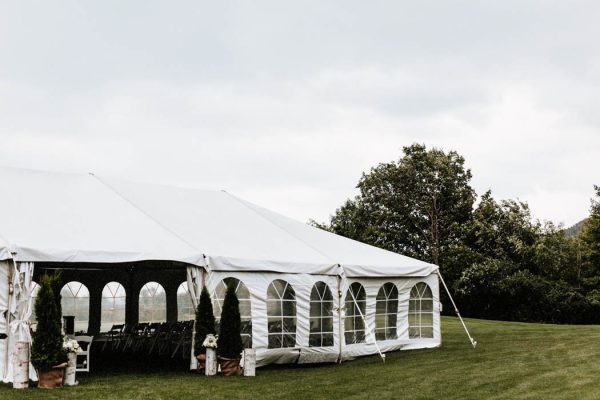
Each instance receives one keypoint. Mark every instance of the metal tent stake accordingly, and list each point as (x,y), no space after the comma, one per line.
(473,341)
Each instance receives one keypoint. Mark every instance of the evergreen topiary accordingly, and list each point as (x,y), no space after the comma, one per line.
(47,347)
(230,339)
(205,322)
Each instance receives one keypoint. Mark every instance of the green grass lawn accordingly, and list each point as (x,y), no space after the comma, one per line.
(512,361)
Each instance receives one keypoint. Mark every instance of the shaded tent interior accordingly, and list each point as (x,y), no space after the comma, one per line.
(127,297)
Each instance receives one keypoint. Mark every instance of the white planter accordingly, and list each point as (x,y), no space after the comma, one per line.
(211,362)
(70,371)
(249,362)
(21,366)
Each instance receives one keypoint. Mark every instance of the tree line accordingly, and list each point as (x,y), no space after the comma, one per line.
(498,260)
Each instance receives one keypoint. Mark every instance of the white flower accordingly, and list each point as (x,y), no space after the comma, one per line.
(71,345)
(210,341)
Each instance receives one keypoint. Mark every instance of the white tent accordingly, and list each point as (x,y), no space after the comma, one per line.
(312,295)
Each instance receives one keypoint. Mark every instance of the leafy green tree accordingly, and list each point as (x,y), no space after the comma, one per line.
(351,220)
(230,338)
(556,256)
(502,231)
(205,321)
(590,238)
(416,206)
(47,347)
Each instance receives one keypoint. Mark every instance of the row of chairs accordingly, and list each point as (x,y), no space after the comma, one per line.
(161,338)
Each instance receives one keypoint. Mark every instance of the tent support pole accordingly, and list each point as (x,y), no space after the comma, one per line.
(339,312)
(367,327)
(9,266)
(473,341)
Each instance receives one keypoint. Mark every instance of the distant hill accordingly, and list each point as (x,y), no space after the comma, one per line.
(575,229)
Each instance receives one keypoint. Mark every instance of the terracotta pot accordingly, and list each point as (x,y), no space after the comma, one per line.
(51,378)
(230,366)
(201,361)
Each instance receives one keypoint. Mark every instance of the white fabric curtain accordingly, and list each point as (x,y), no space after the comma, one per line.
(5,267)
(19,312)
(195,283)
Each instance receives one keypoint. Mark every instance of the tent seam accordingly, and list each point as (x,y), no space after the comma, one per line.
(281,228)
(147,214)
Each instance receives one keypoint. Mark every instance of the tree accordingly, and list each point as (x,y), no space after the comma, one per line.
(47,347)
(230,338)
(205,321)
(556,255)
(416,206)
(590,238)
(502,231)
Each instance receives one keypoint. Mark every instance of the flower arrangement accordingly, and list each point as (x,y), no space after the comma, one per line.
(71,346)
(210,342)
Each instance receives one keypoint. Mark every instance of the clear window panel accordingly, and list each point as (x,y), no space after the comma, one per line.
(112,305)
(75,301)
(420,318)
(281,314)
(185,307)
(152,303)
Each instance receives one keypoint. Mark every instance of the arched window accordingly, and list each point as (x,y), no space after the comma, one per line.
(243,296)
(356,305)
(281,314)
(386,312)
(76,301)
(153,303)
(113,305)
(420,312)
(185,307)
(35,288)
(321,316)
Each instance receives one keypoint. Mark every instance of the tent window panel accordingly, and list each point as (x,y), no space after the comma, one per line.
(275,341)
(327,325)
(316,325)
(152,303)
(356,304)
(76,301)
(281,314)
(427,332)
(185,307)
(112,305)
(275,325)
(243,295)
(427,306)
(321,316)
(420,312)
(289,340)
(386,312)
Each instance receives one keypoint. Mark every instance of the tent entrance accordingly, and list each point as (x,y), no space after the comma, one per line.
(140,314)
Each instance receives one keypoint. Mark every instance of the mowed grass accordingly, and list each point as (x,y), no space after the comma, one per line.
(512,361)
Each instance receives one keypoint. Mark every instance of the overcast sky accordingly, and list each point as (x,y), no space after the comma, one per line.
(287,103)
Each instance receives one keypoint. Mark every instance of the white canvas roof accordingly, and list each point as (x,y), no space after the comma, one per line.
(85,218)
(73,218)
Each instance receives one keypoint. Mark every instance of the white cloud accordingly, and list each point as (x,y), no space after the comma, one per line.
(288,106)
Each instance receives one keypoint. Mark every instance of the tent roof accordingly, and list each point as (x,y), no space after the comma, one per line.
(85,218)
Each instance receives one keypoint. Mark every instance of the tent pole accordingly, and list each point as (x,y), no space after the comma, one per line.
(367,325)
(8,317)
(340,328)
(473,341)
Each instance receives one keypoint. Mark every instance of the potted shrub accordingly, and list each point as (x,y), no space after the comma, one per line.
(47,353)
(230,338)
(205,325)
